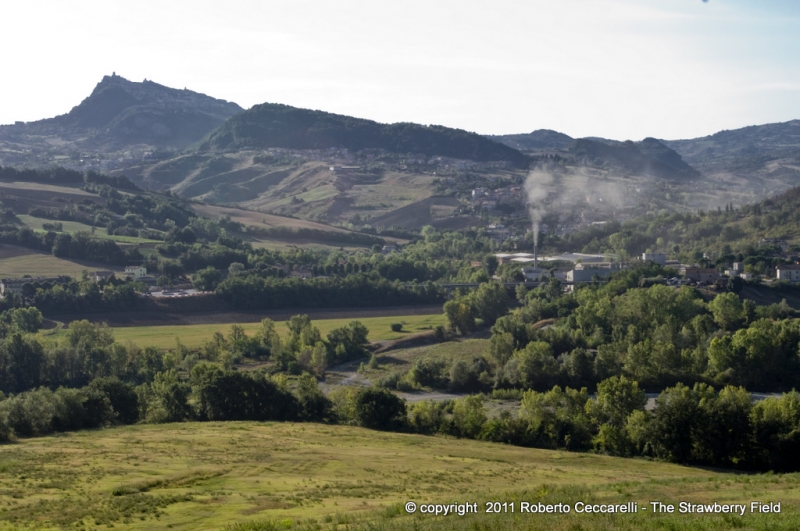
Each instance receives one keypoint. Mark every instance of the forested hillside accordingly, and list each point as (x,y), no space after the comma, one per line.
(721,234)
(770,151)
(274,125)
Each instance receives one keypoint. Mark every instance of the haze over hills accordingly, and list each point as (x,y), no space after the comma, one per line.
(333,168)
(769,153)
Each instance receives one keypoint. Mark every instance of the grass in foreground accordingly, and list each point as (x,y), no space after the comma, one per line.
(192,336)
(210,475)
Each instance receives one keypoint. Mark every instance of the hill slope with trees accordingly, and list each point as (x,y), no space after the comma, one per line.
(119,114)
(281,126)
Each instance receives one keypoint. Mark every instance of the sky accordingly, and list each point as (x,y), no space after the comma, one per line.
(622,69)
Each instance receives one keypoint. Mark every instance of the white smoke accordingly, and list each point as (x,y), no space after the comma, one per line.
(538,187)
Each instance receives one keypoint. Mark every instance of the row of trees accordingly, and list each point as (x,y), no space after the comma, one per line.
(89,352)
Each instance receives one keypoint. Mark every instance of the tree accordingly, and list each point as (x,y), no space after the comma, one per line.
(536,366)
(121,396)
(469,416)
(489,302)
(379,409)
(727,311)
(27,319)
(674,424)
(725,435)
(617,399)
(460,315)
(207,279)
(314,405)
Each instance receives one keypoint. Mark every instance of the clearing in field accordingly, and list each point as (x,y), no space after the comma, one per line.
(70,227)
(193,336)
(259,219)
(205,476)
(18,261)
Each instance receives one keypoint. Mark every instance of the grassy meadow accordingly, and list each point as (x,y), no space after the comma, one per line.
(249,476)
(193,336)
(26,262)
(37,224)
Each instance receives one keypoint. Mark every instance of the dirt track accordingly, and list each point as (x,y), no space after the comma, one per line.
(170,319)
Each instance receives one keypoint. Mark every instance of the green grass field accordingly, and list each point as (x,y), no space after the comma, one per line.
(44,265)
(37,224)
(192,336)
(207,476)
(400,361)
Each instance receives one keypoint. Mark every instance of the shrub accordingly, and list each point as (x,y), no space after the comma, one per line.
(397,327)
(379,409)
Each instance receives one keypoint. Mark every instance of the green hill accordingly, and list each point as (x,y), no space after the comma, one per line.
(770,150)
(535,140)
(281,126)
(648,157)
(205,476)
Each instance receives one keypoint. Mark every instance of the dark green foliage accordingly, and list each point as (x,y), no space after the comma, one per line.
(313,405)
(275,125)
(121,396)
(254,292)
(648,156)
(231,395)
(379,409)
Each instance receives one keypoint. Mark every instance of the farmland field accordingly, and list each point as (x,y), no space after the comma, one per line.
(206,476)
(194,335)
(73,226)
(18,261)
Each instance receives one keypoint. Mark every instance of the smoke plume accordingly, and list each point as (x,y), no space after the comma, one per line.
(538,186)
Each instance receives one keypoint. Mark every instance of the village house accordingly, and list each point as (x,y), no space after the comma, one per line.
(135,272)
(790,272)
(659,258)
(587,272)
(13,286)
(700,275)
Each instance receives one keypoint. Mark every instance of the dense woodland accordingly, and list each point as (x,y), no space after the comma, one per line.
(281,126)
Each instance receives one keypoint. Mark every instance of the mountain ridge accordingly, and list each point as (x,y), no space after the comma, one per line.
(120,114)
(272,125)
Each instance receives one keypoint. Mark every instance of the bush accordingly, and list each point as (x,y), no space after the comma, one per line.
(397,327)
(379,409)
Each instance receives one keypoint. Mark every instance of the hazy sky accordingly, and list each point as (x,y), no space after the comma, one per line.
(614,68)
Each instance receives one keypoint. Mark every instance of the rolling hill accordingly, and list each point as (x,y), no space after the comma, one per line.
(536,140)
(271,125)
(269,476)
(767,153)
(648,157)
(118,115)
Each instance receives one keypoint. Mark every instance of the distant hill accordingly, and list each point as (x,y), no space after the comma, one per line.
(539,139)
(281,126)
(649,157)
(120,114)
(770,151)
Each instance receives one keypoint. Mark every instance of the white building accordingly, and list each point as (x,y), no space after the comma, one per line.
(788,272)
(135,272)
(659,258)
